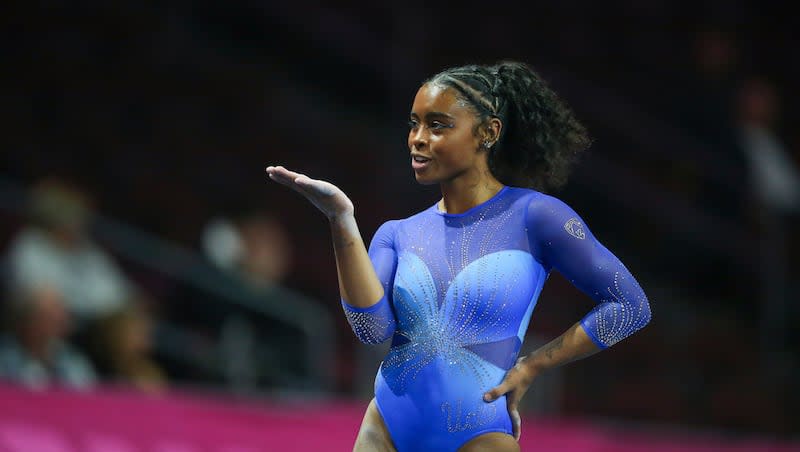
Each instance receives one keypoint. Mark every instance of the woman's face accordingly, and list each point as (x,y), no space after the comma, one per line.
(441,138)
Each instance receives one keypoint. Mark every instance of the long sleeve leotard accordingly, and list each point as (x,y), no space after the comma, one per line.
(459,293)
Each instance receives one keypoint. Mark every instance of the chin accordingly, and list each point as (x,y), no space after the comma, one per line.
(422,180)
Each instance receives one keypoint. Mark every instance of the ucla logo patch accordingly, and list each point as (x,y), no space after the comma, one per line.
(575,228)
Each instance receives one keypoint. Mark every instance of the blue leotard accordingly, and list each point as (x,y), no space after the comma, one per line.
(459,293)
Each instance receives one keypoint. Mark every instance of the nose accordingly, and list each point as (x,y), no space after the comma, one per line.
(417,138)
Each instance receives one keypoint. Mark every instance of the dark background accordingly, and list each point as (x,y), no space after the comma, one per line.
(168,112)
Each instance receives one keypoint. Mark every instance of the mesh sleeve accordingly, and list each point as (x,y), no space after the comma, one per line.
(561,240)
(376,323)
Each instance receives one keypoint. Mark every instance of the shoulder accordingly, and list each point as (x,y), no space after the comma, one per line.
(537,205)
(384,235)
(519,196)
(548,216)
(543,207)
(388,227)
(395,223)
(539,202)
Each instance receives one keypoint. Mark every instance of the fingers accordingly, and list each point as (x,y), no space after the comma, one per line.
(298,182)
(282,175)
(516,423)
(318,186)
(512,400)
(496,392)
(512,403)
(306,183)
(287,177)
(310,188)
(282,171)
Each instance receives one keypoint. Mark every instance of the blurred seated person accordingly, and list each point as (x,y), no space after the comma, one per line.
(255,246)
(54,247)
(123,343)
(34,350)
(774,184)
(774,176)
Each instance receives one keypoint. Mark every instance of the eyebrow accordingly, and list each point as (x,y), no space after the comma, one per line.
(434,114)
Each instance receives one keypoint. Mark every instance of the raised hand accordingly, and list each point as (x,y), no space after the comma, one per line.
(327,197)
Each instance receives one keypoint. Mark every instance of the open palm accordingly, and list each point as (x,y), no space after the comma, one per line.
(327,197)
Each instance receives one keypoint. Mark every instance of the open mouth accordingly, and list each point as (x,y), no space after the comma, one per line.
(419,162)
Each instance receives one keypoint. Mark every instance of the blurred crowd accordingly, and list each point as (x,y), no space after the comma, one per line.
(73,317)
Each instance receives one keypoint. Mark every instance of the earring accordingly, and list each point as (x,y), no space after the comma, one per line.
(487,144)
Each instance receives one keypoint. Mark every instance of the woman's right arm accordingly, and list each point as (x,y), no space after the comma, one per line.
(359,285)
(364,294)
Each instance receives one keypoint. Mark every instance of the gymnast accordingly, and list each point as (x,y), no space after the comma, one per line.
(454,286)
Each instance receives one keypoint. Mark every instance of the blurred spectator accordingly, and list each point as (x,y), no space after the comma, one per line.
(124,346)
(54,248)
(34,351)
(254,246)
(703,104)
(775,183)
(773,173)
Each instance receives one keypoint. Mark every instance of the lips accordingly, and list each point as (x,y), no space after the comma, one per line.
(419,162)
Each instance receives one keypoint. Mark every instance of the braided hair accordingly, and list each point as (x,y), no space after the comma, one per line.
(540,137)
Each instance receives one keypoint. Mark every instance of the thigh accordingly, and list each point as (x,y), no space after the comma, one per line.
(373,435)
(491,442)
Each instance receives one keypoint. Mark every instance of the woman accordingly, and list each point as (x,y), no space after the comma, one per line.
(454,286)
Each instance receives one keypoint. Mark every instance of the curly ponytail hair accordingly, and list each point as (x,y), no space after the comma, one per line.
(540,137)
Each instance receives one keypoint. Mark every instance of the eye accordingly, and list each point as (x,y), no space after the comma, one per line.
(437,125)
(412,124)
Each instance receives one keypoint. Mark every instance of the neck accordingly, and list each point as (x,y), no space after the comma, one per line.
(463,193)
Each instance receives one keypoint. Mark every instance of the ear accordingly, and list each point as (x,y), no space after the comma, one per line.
(492,130)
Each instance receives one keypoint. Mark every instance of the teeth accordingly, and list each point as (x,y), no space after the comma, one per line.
(420,159)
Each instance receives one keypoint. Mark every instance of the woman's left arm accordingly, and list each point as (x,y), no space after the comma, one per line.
(560,240)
